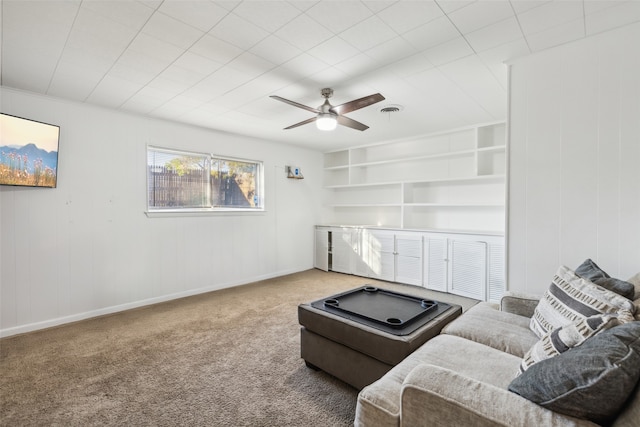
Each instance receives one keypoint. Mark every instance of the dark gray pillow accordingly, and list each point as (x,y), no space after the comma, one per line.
(592,381)
(590,271)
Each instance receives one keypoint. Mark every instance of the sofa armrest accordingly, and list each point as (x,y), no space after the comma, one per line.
(520,304)
(432,395)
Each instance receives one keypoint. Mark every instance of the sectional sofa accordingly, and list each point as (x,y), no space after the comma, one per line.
(489,367)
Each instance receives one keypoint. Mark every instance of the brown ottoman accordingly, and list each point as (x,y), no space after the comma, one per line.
(356,353)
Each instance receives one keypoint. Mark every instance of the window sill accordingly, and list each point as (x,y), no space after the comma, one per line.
(167,213)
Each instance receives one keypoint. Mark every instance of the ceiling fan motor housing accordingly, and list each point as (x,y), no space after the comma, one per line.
(327,92)
(325,108)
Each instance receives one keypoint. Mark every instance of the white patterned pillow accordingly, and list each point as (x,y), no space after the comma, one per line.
(571,298)
(565,337)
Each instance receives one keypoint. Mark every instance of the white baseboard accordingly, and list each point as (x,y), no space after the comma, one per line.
(30,327)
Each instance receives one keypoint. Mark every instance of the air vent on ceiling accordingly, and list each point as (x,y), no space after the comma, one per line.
(391,109)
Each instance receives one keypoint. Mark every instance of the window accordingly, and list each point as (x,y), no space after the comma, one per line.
(189,181)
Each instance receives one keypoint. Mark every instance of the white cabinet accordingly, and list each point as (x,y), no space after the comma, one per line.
(496,273)
(468,269)
(470,265)
(391,256)
(409,258)
(321,251)
(447,181)
(465,264)
(380,254)
(341,250)
(436,256)
(361,253)
(334,249)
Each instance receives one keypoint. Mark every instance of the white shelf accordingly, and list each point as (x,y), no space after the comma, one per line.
(496,177)
(489,149)
(366,205)
(333,168)
(457,205)
(371,184)
(415,159)
(449,180)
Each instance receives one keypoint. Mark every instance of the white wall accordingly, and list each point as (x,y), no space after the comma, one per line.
(574,168)
(87,247)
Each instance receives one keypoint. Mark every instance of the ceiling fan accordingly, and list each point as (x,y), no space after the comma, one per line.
(328,116)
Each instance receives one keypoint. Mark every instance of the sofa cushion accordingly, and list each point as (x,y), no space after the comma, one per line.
(485,324)
(592,381)
(519,303)
(379,403)
(590,271)
(435,396)
(635,281)
(565,337)
(630,412)
(571,298)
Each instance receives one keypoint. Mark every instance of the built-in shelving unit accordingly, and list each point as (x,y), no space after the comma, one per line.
(447,181)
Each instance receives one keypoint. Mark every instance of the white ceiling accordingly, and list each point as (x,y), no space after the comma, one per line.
(215,63)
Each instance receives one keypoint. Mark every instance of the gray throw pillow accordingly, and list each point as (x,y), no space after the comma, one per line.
(592,381)
(590,271)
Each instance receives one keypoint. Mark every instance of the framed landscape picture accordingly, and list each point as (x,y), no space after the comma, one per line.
(28,152)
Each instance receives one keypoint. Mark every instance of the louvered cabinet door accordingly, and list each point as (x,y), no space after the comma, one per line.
(496,282)
(409,259)
(468,269)
(341,251)
(381,255)
(362,253)
(435,263)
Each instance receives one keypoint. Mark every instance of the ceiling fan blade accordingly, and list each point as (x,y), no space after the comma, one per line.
(295,104)
(311,120)
(350,123)
(356,104)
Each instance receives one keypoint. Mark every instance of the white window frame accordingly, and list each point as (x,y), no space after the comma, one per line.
(211,209)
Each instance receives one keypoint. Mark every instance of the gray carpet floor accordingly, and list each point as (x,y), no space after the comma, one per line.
(224,358)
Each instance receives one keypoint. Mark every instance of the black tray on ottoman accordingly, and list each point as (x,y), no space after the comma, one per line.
(392,312)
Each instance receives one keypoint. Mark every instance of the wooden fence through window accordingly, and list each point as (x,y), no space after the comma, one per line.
(169,189)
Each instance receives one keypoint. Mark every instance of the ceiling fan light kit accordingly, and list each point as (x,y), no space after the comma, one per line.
(326,121)
(329,116)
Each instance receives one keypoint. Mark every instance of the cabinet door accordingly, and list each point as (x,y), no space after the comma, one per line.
(408,259)
(341,251)
(468,269)
(321,254)
(495,273)
(435,267)
(362,255)
(381,255)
